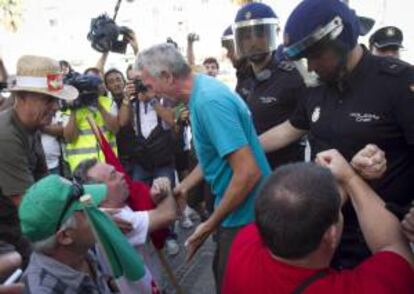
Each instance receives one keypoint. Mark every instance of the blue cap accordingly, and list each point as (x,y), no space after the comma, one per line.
(307,19)
(254,10)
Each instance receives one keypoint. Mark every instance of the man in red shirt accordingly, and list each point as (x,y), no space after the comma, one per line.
(298,227)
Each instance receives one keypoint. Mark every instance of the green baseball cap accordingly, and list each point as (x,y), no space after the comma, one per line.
(42,208)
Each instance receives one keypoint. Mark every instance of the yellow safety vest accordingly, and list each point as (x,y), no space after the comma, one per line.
(86,146)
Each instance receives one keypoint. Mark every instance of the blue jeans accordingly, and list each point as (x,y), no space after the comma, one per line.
(148,176)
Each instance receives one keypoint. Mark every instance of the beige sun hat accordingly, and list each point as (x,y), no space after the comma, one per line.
(40,74)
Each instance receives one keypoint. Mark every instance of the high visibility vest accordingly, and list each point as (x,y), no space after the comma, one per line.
(86,146)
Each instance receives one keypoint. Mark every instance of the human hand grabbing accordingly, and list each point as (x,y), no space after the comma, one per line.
(337,164)
(370,162)
(161,188)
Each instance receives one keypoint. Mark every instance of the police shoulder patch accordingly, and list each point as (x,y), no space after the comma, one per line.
(286,65)
(393,66)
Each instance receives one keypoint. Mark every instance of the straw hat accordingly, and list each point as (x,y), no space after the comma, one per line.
(40,74)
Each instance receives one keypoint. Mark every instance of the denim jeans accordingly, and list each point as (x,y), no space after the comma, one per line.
(148,176)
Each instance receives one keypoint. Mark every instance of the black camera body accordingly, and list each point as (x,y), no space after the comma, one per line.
(140,87)
(105,35)
(88,87)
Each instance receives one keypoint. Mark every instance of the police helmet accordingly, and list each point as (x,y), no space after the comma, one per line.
(313,21)
(227,38)
(255,30)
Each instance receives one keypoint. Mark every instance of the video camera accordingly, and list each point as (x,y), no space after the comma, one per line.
(88,87)
(105,35)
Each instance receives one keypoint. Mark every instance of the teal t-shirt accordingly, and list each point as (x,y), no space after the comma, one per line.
(221,123)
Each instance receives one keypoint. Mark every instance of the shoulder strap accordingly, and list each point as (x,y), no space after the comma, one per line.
(305,284)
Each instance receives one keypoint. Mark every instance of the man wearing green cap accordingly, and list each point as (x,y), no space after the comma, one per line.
(51,217)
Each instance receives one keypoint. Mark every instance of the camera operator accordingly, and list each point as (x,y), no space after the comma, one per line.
(81,142)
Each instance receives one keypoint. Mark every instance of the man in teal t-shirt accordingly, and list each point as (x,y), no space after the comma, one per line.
(228,150)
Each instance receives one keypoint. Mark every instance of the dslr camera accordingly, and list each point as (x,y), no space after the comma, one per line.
(88,87)
(140,87)
(105,35)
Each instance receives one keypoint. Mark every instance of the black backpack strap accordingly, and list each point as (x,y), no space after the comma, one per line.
(305,284)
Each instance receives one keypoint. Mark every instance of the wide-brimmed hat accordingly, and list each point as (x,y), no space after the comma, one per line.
(43,75)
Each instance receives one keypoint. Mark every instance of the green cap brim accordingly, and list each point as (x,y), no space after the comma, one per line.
(97,193)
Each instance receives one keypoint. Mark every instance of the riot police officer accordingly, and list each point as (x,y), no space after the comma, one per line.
(275,85)
(363,103)
(241,65)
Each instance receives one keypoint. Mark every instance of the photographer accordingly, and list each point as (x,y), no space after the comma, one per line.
(81,142)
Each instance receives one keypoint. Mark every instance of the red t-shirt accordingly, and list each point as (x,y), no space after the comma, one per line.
(252,269)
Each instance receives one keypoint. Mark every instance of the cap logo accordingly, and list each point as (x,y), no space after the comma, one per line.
(248,15)
(55,82)
(390,32)
(316,114)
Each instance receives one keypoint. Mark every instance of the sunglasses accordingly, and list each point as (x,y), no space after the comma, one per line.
(77,193)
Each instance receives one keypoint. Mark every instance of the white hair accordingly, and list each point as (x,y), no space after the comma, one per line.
(162,58)
(51,242)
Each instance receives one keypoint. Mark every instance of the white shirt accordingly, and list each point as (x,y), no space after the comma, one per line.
(51,145)
(137,238)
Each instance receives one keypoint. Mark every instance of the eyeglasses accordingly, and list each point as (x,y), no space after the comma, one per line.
(77,193)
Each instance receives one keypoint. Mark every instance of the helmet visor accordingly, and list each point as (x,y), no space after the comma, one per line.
(299,49)
(255,39)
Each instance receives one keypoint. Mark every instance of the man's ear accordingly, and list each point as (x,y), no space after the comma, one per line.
(167,76)
(65,237)
(331,236)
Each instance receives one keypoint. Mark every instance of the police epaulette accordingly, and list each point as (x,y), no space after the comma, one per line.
(393,66)
(286,65)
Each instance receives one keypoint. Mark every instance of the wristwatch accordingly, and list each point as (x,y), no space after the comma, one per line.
(153,101)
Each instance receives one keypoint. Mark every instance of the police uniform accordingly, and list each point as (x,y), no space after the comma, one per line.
(374,104)
(274,94)
(244,82)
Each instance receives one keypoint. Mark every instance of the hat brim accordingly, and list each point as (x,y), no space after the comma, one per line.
(68,93)
(96,191)
(388,44)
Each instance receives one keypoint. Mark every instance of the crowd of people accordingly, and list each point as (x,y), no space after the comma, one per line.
(302,173)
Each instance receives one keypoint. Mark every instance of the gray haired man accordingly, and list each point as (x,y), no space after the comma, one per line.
(226,144)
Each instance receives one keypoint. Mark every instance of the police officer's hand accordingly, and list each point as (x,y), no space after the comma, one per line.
(370,162)
(408,225)
(337,164)
(161,188)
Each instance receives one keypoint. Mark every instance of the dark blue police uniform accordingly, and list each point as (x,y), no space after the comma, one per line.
(274,95)
(374,104)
